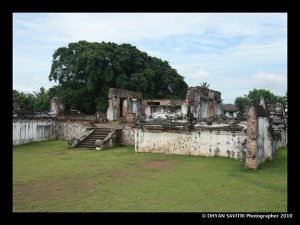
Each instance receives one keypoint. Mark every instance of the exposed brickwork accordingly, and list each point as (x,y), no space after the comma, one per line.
(251,146)
(57,106)
(122,102)
(203,102)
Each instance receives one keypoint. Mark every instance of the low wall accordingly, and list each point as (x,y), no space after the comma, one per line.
(28,130)
(196,142)
(127,137)
(71,129)
(34,129)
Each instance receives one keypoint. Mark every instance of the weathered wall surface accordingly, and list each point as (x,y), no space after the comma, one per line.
(28,130)
(127,136)
(264,141)
(203,102)
(25,130)
(122,102)
(260,137)
(71,129)
(57,107)
(197,142)
(162,112)
(281,140)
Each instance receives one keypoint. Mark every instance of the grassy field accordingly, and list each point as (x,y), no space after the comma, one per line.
(47,176)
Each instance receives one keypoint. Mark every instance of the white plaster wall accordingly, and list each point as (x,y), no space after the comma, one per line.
(218,108)
(128,136)
(135,108)
(260,136)
(68,130)
(110,114)
(204,109)
(265,145)
(202,143)
(268,141)
(184,109)
(161,112)
(25,131)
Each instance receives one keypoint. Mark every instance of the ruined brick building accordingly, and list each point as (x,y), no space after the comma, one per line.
(123,105)
(195,125)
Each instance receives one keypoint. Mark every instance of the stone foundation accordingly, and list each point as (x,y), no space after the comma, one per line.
(198,142)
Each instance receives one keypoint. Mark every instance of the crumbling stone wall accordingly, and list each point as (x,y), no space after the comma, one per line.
(163,112)
(122,103)
(57,107)
(251,144)
(260,145)
(278,119)
(203,102)
(127,137)
(28,130)
(68,129)
(222,140)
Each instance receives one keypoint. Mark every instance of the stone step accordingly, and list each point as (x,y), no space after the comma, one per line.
(88,142)
(94,139)
(101,130)
(86,147)
(98,134)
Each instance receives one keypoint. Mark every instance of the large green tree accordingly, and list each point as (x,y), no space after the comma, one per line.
(85,71)
(241,103)
(38,101)
(254,97)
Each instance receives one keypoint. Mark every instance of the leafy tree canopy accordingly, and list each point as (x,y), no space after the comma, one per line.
(38,101)
(254,97)
(85,71)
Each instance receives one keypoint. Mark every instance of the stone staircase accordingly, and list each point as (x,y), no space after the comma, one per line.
(89,142)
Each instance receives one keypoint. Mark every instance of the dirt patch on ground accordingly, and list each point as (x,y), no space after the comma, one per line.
(158,164)
(37,191)
(47,189)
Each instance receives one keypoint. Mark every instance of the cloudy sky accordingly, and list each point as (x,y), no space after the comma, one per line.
(233,52)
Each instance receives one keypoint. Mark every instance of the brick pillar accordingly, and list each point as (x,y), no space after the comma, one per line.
(251,147)
(57,107)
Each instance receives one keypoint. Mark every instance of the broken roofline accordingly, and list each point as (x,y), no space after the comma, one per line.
(204,93)
(114,92)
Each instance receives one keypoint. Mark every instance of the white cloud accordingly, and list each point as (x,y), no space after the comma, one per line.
(200,75)
(117,27)
(230,46)
(120,27)
(270,80)
(259,53)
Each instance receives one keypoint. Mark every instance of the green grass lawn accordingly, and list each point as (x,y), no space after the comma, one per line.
(47,176)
